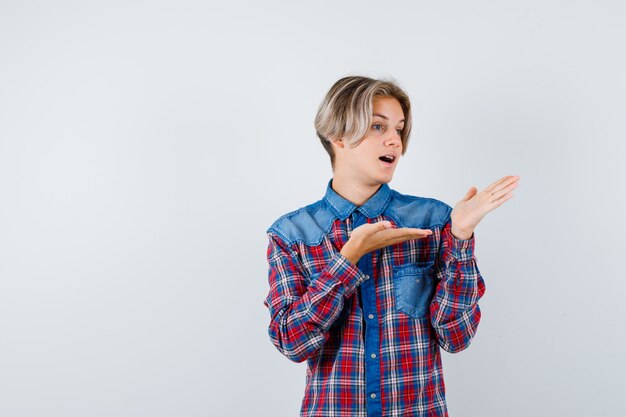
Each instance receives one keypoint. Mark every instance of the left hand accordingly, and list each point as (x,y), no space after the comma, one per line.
(469,211)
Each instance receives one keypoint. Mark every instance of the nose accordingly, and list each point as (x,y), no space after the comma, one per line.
(393,139)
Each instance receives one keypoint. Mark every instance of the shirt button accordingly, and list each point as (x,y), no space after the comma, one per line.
(373,356)
(367,276)
(371,316)
(373,395)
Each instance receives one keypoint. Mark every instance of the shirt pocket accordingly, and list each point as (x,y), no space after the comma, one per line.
(414,287)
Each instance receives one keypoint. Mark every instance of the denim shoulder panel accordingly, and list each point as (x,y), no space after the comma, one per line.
(420,212)
(308,224)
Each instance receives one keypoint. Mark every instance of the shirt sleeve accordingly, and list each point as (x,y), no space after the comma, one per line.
(302,310)
(454,310)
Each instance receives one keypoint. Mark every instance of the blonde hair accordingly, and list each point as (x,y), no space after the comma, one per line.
(346,111)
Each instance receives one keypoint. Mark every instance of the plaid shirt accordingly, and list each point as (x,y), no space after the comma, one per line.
(371,333)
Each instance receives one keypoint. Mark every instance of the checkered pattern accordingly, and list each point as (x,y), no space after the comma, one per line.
(375,350)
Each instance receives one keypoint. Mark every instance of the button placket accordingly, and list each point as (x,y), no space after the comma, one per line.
(371,339)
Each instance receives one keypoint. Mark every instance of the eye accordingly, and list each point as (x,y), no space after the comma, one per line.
(399,131)
(377,126)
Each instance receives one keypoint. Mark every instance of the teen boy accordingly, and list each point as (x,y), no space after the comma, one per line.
(367,284)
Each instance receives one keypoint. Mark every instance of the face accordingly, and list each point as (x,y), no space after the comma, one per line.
(366,163)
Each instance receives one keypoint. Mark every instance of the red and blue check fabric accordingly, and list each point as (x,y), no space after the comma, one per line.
(371,332)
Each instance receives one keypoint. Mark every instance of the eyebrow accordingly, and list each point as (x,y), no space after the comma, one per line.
(385,117)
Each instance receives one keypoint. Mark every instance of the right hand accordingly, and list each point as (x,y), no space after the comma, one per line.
(372,236)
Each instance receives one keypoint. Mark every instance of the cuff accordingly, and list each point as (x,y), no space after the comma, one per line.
(458,249)
(342,270)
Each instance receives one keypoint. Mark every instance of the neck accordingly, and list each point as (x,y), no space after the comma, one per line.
(356,192)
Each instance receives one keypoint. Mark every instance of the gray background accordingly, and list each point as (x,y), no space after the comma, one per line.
(146,146)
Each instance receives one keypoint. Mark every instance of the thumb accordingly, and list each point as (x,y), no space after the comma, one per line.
(385,224)
(470,193)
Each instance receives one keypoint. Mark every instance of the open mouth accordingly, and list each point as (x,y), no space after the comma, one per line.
(388,159)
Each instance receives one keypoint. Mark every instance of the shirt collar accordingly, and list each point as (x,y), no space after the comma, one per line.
(373,207)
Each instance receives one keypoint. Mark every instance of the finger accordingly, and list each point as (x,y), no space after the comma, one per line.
(413,237)
(375,227)
(493,185)
(405,233)
(503,191)
(505,184)
(491,188)
(502,200)
(383,225)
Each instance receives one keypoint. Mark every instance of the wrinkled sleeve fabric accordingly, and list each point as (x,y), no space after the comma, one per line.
(302,308)
(454,310)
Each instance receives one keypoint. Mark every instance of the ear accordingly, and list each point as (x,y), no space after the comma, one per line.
(337,143)
(340,143)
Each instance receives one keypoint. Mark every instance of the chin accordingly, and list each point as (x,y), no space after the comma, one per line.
(385,179)
(378,177)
